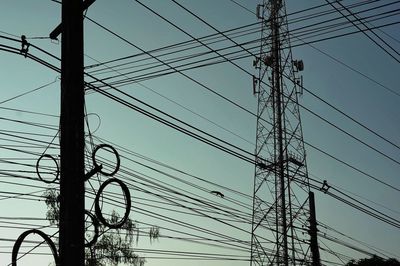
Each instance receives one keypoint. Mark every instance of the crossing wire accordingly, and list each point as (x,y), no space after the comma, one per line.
(369,37)
(318,149)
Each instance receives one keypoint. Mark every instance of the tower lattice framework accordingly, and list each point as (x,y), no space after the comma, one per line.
(281,187)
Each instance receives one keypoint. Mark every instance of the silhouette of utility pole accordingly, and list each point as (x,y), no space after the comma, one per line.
(316,261)
(72,198)
(57,31)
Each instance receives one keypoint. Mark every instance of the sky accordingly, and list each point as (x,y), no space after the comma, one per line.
(169,174)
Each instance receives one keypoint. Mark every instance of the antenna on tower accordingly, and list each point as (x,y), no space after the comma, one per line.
(298,66)
(259,13)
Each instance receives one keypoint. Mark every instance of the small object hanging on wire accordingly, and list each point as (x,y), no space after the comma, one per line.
(325,187)
(24,46)
(217,193)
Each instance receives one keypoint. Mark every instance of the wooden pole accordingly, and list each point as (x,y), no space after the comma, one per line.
(72,198)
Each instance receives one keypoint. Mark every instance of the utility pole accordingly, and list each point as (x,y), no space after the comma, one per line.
(316,261)
(280,209)
(72,198)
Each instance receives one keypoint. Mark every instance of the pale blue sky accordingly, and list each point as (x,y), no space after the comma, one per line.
(357,96)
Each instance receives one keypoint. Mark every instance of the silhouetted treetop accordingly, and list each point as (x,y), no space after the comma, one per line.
(374,261)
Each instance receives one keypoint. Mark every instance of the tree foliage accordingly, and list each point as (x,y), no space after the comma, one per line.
(114,246)
(53,206)
(374,261)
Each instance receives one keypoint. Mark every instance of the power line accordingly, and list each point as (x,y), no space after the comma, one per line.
(313,94)
(348,134)
(242,6)
(188,77)
(28,92)
(333,157)
(354,70)
(379,180)
(362,22)
(226,32)
(354,168)
(369,37)
(358,205)
(369,246)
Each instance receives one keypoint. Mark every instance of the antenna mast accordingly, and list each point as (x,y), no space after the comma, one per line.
(281,187)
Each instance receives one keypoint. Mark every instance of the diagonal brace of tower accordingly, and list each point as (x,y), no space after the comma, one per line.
(281,188)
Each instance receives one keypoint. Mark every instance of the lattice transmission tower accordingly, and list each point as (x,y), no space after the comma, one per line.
(280,224)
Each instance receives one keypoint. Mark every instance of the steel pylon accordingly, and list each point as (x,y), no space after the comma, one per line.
(281,187)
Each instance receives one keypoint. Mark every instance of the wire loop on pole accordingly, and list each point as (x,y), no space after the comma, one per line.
(38,165)
(21,238)
(127,208)
(101,169)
